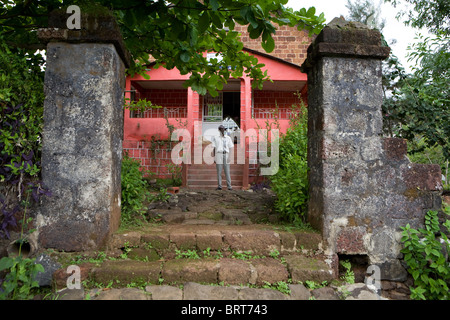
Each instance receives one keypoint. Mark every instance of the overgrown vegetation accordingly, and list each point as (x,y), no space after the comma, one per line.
(21,117)
(20,280)
(425,253)
(21,114)
(290,183)
(135,192)
(349,275)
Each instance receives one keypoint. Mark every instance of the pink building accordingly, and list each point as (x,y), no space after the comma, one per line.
(238,107)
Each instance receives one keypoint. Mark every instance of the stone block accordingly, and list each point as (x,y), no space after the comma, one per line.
(162,292)
(122,294)
(261,294)
(302,269)
(269,270)
(184,240)
(173,217)
(233,271)
(190,270)
(195,291)
(127,271)
(299,292)
(209,239)
(257,241)
(395,148)
(121,240)
(325,293)
(60,276)
(393,270)
(336,149)
(423,177)
(156,241)
(371,149)
(288,241)
(308,240)
(350,240)
(143,254)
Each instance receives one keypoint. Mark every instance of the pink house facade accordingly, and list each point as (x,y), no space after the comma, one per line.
(238,106)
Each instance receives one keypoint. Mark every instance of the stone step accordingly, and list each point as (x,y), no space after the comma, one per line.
(253,238)
(230,217)
(205,177)
(211,187)
(256,271)
(210,262)
(229,255)
(212,184)
(194,291)
(236,181)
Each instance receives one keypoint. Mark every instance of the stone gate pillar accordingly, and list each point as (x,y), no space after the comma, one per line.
(362,187)
(82,135)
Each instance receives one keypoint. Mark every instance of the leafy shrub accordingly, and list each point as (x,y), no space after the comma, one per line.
(20,280)
(135,191)
(21,119)
(426,260)
(21,112)
(290,183)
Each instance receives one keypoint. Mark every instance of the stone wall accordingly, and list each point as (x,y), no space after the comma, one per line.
(363,188)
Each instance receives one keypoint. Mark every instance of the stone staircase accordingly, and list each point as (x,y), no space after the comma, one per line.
(214,254)
(204,176)
(214,249)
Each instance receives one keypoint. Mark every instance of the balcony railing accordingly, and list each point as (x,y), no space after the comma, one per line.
(175,112)
(274,113)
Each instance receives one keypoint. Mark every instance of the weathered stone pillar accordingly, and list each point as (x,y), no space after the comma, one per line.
(82,135)
(362,187)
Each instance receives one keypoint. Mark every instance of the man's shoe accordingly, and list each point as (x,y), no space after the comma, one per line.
(218,188)
(230,188)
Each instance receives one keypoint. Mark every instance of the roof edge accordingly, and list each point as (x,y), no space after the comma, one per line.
(267,55)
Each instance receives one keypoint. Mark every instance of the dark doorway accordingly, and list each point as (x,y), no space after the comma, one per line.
(232,106)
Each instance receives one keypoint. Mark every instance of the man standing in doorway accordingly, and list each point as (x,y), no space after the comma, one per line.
(222,145)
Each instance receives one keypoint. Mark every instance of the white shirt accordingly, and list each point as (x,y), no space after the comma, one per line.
(222,143)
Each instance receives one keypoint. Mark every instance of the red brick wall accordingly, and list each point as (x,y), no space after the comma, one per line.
(270,99)
(153,158)
(166,98)
(290,43)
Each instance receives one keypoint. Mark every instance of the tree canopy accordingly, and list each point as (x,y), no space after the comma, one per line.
(174,33)
(419,106)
